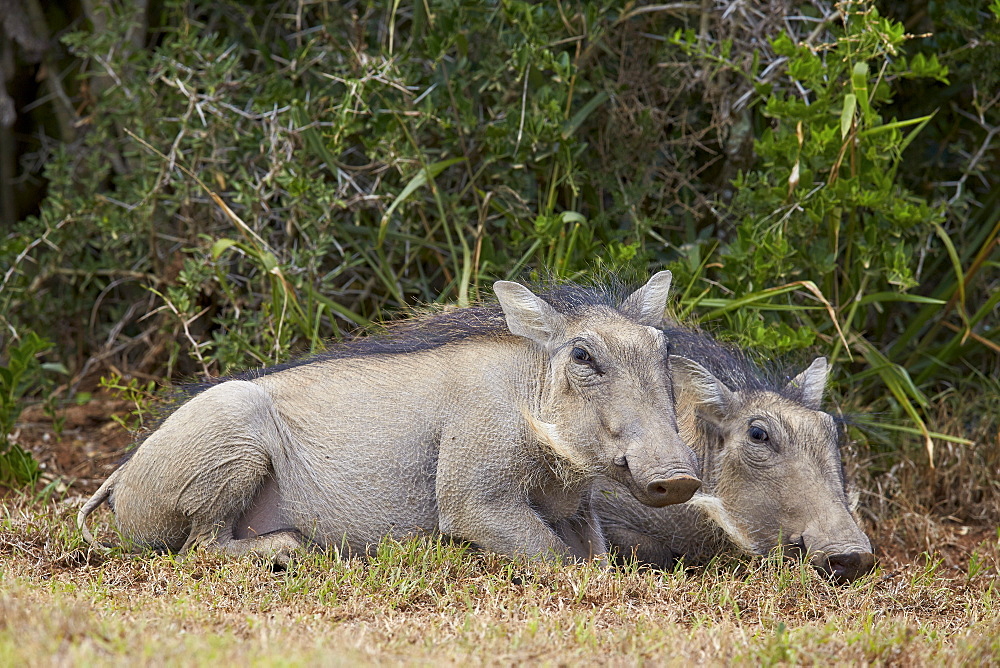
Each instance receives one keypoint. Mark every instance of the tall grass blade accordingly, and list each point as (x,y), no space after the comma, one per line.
(420,179)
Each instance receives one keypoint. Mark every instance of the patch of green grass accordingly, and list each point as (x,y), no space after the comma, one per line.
(429,601)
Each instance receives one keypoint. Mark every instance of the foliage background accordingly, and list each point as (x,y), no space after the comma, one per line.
(194,187)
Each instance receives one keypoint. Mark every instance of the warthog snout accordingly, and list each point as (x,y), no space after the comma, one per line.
(668,491)
(656,486)
(845,567)
(840,567)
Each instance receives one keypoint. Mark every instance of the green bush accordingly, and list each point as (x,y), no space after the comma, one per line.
(257,178)
(21,374)
(823,216)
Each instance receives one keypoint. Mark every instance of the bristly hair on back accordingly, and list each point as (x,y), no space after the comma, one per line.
(426,328)
(730,364)
(737,370)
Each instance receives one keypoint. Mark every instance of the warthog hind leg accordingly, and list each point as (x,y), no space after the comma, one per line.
(261,530)
(278,548)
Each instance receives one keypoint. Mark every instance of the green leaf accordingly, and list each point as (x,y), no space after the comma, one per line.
(220,246)
(570,127)
(956,265)
(56,367)
(895,125)
(915,432)
(267,259)
(421,178)
(914,132)
(884,297)
(859,83)
(847,114)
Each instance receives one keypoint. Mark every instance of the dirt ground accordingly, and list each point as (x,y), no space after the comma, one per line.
(86,449)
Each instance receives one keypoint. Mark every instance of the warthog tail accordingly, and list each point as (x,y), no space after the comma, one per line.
(97,499)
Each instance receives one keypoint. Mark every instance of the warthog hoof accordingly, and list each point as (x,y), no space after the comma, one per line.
(278,547)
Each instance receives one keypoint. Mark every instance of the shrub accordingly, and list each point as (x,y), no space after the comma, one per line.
(258,177)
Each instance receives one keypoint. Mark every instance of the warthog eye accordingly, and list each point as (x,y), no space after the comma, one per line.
(580,355)
(757,434)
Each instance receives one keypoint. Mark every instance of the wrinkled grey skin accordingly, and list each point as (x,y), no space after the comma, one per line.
(770,468)
(485,426)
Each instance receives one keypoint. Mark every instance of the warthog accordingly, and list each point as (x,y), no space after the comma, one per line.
(770,468)
(485,424)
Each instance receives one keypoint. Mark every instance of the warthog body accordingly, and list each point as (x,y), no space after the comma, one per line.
(485,424)
(770,469)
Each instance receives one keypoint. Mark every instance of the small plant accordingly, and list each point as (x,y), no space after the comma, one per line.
(140,395)
(976,565)
(20,375)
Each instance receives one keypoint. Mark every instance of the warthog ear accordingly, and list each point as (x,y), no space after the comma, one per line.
(647,303)
(527,314)
(809,384)
(711,396)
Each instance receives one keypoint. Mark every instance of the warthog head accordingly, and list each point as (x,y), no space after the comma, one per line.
(606,405)
(774,475)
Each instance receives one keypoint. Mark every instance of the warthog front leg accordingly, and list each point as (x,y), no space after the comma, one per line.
(509,528)
(638,547)
(583,533)
(478,501)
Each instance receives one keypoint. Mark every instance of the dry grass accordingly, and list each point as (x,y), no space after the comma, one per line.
(424,602)
(427,602)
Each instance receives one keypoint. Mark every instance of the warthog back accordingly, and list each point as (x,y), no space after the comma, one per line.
(487,424)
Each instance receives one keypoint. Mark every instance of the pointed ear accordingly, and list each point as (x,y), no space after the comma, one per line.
(712,398)
(810,383)
(527,314)
(650,301)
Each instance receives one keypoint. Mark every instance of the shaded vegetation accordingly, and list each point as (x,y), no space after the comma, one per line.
(191,188)
(228,183)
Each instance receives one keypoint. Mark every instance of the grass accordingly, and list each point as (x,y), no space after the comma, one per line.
(429,602)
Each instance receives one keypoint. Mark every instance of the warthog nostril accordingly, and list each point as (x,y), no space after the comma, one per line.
(668,491)
(846,567)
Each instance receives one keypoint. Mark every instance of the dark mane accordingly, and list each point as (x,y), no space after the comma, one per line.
(423,331)
(730,364)
(428,330)
(734,367)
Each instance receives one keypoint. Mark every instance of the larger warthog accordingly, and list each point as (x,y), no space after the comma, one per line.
(485,424)
(770,467)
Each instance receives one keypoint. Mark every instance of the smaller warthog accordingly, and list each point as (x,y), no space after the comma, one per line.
(771,470)
(486,424)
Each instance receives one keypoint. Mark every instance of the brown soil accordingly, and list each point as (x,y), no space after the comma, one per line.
(85,450)
(80,455)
